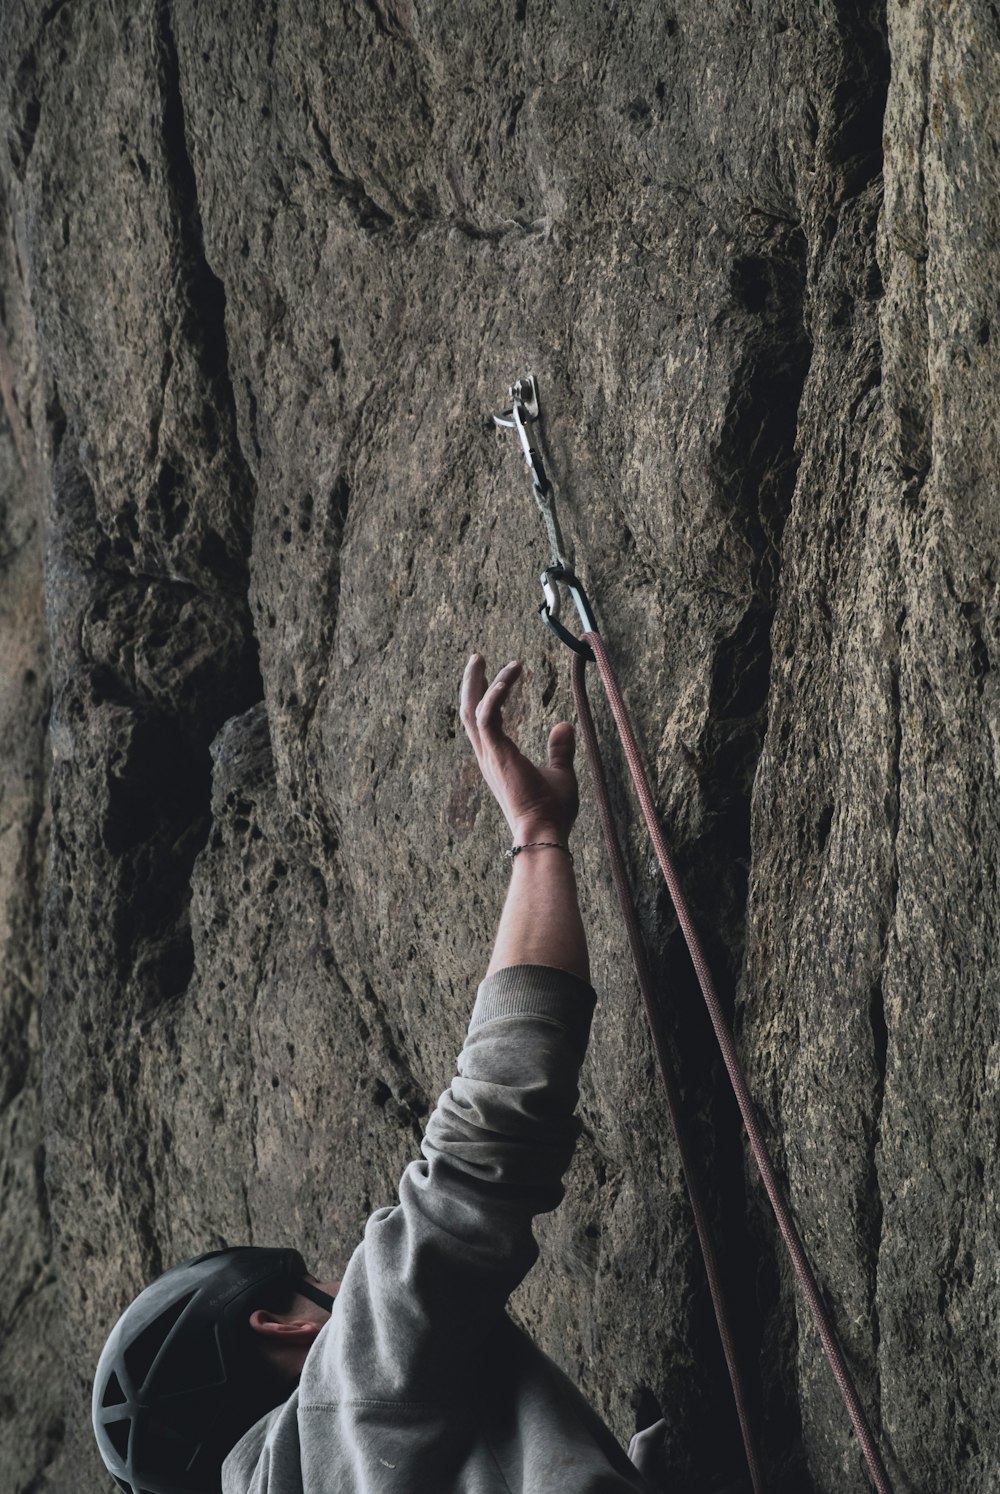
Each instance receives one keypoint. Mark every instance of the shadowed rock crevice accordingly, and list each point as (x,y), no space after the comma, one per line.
(205,327)
(858,103)
(756,465)
(164,658)
(834,998)
(146,673)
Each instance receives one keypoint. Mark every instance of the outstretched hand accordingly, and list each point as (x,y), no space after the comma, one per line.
(537,802)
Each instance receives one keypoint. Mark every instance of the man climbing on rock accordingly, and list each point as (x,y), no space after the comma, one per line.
(408,1374)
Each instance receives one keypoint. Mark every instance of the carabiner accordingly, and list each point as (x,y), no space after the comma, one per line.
(550,608)
(524,408)
(525,393)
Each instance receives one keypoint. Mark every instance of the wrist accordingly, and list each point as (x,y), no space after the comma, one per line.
(529,830)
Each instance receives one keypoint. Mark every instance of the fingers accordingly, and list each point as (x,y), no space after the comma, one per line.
(481,707)
(562,745)
(473,685)
(489,708)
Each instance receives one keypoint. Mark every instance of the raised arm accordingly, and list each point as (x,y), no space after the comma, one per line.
(429,1283)
(541,923)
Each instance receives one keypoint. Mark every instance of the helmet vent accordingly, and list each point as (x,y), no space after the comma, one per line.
(113,1393)
(191,1365)
(122,1484)
(139,1355)
(118,1436)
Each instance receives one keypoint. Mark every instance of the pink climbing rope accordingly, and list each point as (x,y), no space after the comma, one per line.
(698,1208)
(727,1047)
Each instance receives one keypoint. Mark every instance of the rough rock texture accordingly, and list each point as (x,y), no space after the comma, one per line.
(31,1400)
(265,269)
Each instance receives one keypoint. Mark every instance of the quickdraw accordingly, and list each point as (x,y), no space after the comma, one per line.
(523,408)
(522,411)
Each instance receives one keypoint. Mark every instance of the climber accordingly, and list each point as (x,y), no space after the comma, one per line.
(408,1374)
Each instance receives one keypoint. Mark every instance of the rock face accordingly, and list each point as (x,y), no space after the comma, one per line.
(266,269)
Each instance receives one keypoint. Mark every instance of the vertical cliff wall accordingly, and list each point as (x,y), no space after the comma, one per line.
(266,268)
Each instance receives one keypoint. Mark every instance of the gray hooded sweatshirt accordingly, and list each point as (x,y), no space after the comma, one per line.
(420,1382)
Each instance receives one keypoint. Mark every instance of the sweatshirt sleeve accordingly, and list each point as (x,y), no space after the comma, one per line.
(433,1273)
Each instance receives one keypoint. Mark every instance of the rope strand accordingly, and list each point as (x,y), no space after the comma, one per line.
(659,1037)
(727,1047)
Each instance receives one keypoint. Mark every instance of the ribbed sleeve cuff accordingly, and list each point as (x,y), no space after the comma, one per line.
(537,991)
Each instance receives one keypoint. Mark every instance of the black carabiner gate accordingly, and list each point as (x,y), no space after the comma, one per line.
(549,610)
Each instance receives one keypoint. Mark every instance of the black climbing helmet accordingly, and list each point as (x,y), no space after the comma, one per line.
(178,1382)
